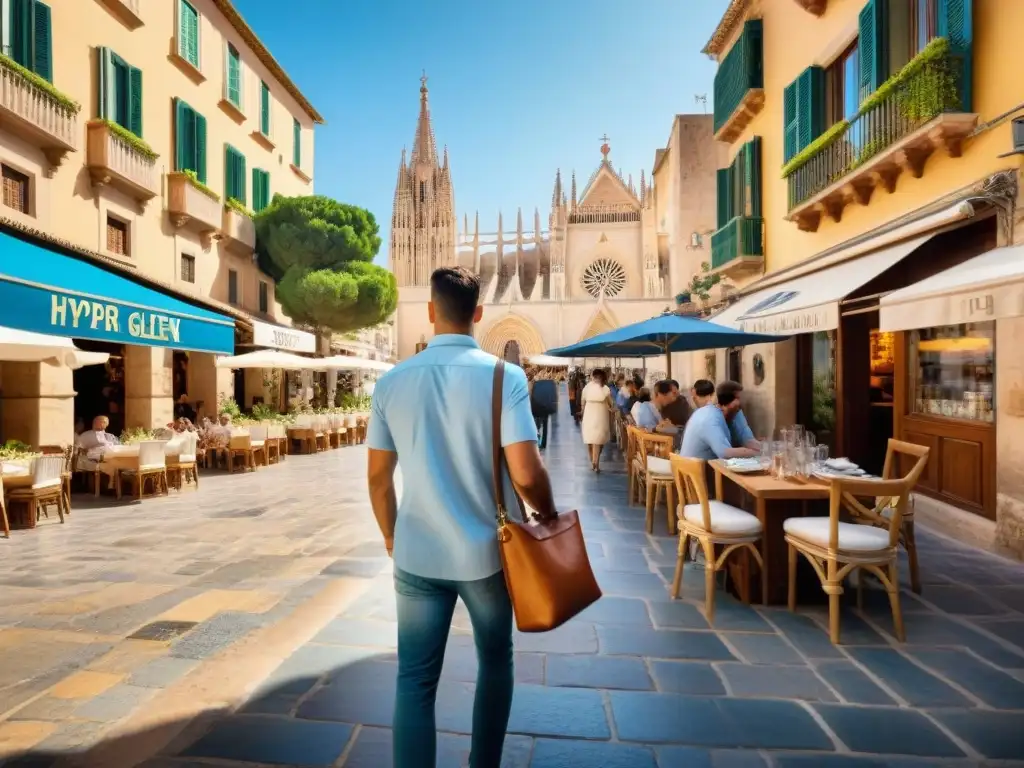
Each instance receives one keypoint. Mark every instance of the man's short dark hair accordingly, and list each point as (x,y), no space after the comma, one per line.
(674,383)
(644,395)
(703,388)
(455,292)
(638,382)
(663,387)
(728,391)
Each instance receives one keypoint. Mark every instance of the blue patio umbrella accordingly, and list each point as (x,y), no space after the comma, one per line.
(662,335)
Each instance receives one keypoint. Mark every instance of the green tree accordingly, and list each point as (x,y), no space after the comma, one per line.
(321,254)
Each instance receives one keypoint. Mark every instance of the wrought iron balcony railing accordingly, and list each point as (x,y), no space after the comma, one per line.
(739,84)
(738,246)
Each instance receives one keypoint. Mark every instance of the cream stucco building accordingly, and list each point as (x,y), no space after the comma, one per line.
(591,265)
(136,140)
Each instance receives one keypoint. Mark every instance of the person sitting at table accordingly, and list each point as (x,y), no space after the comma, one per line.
(702,393)
(97,439)
(649,416)
(626,394)
(707,433)
(677,409)
(642,397)
(740,433)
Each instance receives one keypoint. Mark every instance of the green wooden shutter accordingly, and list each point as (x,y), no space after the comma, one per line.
(234,77)
(790,123)
(22,32)
(722,188)
(200,147)
(184,135)
(238,177)
(956,23)
(106,81)
(135,101)
(738,205)
(873,46)
(810,106)
(297,145)
(188,33)
(42,44)
(752,177)
(264,109)
(119,80)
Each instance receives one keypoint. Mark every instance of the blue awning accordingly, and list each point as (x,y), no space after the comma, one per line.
(47,291)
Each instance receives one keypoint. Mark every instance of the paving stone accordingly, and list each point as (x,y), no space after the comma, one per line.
(669,718)
(573,637)
(853,685)
(279,741)
(1011,631)
(617,610)
(160,673)
(664,644)
(621,562)
(691,757)
(120,701)
(937,629)
(561,753)
(690,677)
(212,636)
(772,724)
(996,735)
(360,632)
(363,569)
(887,730)
(803,632)
(565,712)
(163,631)
(959,599)
(984,681)
(763,649)
(848,761)
(371,748)
(778,682)
(678,615)
(633,585)
(916,686)
(598,672)
(48,708)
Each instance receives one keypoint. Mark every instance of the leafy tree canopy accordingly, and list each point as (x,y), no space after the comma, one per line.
(321,253)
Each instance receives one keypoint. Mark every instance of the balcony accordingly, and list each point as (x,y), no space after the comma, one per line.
(897,129)
(33,109)
(122,163)
(193,206)
(737,248)
(817,7)
(739,84)
(238,230)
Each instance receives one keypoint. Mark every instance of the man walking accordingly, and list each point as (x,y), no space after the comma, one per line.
(431,416)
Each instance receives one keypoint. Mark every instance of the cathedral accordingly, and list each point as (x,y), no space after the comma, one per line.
(596,263)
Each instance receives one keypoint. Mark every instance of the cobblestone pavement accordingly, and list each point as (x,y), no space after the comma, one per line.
(252,623)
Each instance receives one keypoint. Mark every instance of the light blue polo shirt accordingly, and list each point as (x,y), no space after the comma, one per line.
(740,430)
(434,411)
(706,435)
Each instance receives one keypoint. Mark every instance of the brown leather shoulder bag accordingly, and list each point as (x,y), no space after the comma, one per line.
(546,566)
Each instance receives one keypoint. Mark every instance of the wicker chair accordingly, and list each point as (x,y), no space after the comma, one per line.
(47,487)
(184,468)
(152,466)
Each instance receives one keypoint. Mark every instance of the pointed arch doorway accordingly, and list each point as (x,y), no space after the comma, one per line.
(511,352)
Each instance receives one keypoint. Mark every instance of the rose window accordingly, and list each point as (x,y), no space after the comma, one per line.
(604,276)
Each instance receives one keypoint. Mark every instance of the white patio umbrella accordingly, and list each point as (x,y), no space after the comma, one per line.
(352,363)
(549,361)
(272,358)
(28,347)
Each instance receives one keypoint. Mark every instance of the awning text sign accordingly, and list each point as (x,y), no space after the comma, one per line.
(72,314)
(278,337)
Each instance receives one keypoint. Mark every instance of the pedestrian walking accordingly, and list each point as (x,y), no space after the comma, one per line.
(543,403)
(597,409)
(431,416)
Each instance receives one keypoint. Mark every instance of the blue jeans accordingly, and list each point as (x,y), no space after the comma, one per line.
(425,608)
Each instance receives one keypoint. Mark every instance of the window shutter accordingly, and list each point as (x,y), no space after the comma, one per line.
(240,181)
(42,44)
(188,33)
(738,206)
(106,81)
(752,177)
(873,46)
(790,123)
(296,145)
(723,196)
(956,23)
(183,130)
(22,32)
(264,109)
(810,106)
(122,88)
(135,101)
(234,77)
(200,146)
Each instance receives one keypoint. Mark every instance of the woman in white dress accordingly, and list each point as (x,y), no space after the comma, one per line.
(597,406)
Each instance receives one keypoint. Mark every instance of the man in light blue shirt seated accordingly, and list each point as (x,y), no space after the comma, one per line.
(626,393)
(741,433)
(431,415)
(707,434)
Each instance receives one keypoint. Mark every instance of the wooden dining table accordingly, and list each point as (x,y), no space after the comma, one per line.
(772,501)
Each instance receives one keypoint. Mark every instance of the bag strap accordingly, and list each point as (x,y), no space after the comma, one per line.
(497,454)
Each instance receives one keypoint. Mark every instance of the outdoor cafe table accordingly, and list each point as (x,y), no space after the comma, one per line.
(773,501)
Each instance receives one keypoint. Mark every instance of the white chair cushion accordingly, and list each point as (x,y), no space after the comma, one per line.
(186,458)
(659,466)
(52,483)
(725,519)
(852,537)
(257,443)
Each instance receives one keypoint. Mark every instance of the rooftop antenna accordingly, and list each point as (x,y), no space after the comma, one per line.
(702,99)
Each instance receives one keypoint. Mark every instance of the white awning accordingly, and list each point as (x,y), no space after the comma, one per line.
(548,361)
(273,359)
(811,302)
(353,363)
(280,337)
(29,347)
(987,287)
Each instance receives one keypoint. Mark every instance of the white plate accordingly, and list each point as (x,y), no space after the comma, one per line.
(745,468)
(841,465)
(825,474)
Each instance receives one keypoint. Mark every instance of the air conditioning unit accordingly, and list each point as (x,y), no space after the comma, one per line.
(1017,135)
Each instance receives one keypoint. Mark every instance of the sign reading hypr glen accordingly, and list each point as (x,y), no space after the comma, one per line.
(71,314)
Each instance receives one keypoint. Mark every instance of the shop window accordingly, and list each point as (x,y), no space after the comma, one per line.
(952,371)
(117,236)
(15,185)
(232,287)
(264,297)
(188,268)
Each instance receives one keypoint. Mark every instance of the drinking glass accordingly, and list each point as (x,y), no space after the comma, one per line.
(798,433)
(766,451)
(810,439)
(821,453)
(779,461)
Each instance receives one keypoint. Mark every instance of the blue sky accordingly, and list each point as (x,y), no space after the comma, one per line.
(517,89)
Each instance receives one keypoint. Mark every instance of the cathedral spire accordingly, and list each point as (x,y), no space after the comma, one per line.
(643,187)
(556,196)
(574,190)
(424,149)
